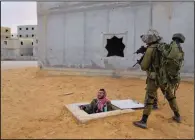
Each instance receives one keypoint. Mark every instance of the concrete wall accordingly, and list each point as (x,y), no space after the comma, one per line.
(11,43)
(26,47)
(10,52)
(27,31)
(75,36)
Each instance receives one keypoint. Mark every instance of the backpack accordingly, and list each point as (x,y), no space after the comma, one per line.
(170,59)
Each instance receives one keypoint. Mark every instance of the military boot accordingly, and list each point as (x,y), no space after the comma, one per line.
(177,117)
(142,123)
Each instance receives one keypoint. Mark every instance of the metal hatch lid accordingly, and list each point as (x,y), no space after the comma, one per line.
(127,104)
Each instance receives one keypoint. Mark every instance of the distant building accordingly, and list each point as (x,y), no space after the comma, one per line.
(18,46)
(14,35)
(27,31)
(5,33)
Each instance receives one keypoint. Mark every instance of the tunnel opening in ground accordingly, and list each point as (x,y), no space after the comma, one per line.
(113,109)
(115,47)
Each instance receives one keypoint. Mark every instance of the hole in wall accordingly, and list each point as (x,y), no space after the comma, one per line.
(20,35)
(32,28)
(32,35)
(26,35)
(6,30)
(20,28)
(21,43)
(115,47)
(5,42)
(7,37)
(26,28)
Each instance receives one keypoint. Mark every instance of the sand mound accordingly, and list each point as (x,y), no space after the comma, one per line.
(32,107)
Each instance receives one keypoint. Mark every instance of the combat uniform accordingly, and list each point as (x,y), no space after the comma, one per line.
(147,64)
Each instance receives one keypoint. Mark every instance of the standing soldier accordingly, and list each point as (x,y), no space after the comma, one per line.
(156,69)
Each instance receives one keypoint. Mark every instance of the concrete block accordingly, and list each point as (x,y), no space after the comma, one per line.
(83,117)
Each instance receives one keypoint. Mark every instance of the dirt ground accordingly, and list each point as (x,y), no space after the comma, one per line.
(33,107)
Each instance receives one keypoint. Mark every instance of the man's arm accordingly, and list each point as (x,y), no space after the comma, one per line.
(89,108)
(109,106)
(145,63)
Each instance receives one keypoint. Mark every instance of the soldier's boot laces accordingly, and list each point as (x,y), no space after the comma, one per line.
(177,117)
(142,123)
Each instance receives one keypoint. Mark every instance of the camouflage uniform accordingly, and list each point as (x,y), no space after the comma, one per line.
(152,39)
(92,107)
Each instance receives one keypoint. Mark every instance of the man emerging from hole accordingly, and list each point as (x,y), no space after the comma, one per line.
(100,104)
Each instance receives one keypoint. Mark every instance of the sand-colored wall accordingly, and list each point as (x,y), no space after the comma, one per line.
(5,33)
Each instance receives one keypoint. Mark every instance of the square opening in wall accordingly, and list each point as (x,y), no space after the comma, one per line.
(26,35)
(26,28)
(115,44)
(6,30)
(115,47)
(20,35)
(7,37)
(32,28)
(21,43)
(32,35)
(20,28)
(119,107)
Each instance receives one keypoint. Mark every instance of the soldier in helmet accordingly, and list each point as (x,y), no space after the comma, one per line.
(178,38)
(148,64)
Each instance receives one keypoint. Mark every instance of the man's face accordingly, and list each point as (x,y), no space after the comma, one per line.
(100,94)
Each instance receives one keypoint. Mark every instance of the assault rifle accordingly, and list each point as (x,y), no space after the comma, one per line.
(141,50)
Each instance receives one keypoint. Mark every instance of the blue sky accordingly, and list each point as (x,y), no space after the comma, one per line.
(18,13)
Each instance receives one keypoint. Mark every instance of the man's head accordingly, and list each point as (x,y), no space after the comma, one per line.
(152,36)
(101,94)
(178,37)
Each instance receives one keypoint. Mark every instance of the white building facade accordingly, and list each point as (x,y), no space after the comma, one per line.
(27,31)
(74,34)
(14,47)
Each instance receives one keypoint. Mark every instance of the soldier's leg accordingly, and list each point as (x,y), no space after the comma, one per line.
(151,91)
(173,104)
(155,105)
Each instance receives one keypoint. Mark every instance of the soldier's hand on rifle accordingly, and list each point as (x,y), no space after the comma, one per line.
(142,50)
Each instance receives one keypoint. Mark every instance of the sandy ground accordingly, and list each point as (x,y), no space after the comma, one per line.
(32,107)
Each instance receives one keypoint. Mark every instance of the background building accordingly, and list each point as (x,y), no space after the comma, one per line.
(27,31)
(14,48)
(75,34)
(5,33)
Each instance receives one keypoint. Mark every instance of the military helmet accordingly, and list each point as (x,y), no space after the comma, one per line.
(151,36)
(179,36)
